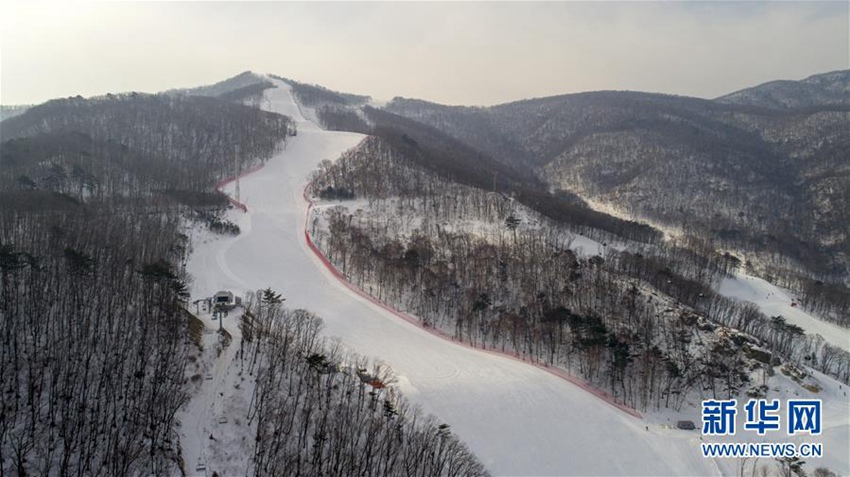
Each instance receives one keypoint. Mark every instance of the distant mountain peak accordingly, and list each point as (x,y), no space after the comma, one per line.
(243,81)
(826,89)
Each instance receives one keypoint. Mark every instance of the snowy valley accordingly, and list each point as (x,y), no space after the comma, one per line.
(407,304)
(471,388)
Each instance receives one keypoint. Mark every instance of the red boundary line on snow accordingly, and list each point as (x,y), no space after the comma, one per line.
(415,321)
(224,182)
(446,336)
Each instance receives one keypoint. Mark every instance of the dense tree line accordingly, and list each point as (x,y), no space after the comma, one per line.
(456,161)
(93,197)
(645,325)
(91,369)
(754,178)
(320,410)
(73,164)
(189,141)
(342,119)
(244,87)
(251,94)
(827,89)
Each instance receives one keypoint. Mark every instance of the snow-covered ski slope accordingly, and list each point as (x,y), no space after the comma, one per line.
(518,419)
(775,301)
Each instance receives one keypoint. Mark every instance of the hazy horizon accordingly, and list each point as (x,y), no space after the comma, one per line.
(452,53)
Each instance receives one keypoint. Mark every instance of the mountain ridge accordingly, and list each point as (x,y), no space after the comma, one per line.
(774,175)
(822,89)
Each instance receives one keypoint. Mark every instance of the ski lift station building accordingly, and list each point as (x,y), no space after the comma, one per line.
(224,298)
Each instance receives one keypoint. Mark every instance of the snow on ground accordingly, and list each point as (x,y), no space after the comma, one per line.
(214,432)
(835,421)
(836,418)
(772,300)
(518,419)
(776,301)
(835,435)
(670,232)
(405,221)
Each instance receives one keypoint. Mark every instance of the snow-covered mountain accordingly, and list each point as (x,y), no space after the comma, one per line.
(447,269)
(466,388)
(518,419)
(827,89)
(752,177)
(246,79)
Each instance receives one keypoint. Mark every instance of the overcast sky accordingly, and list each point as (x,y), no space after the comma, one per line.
(456,53)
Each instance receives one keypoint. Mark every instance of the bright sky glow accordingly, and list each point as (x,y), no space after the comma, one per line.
(456,53)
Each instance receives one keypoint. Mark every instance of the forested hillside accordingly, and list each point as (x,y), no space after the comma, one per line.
(771,182)
(95,194)
(246,87)
(320,410)
(639,321)
(183,142)
(94,338)
(825,89)
(458,162)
